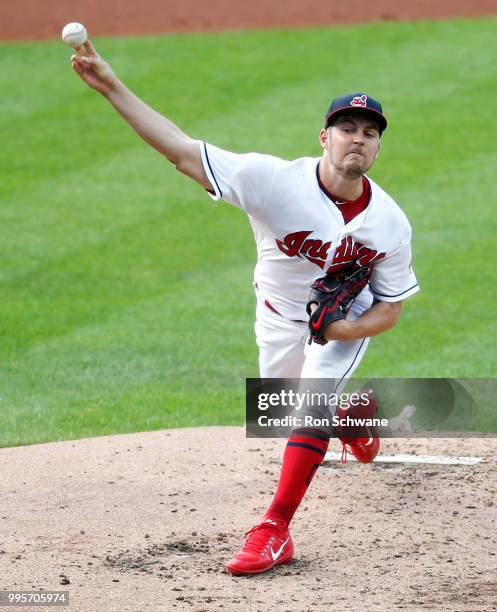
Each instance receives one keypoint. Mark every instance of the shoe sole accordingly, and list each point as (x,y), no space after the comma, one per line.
(235,572)
(360,458)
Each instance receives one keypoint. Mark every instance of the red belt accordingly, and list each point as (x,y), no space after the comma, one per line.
(273,309)
(268,304)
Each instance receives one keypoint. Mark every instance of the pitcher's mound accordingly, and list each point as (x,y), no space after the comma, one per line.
(147,521)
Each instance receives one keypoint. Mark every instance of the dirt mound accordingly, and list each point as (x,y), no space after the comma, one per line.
(147,521)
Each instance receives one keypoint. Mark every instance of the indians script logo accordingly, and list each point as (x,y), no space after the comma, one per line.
(300,245)
(359,101)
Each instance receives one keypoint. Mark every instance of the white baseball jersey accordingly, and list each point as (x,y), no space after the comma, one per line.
(301,234)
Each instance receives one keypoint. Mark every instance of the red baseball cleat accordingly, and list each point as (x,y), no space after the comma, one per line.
(363,449)
(267,544)
(359,440)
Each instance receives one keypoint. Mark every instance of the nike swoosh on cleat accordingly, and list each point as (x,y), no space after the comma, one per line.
(370,437)
(276,555)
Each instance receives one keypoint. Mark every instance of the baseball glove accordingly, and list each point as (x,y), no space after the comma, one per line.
(333,295)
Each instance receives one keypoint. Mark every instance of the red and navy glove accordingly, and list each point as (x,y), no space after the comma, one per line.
(333,295)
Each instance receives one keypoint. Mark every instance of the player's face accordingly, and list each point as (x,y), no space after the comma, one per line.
(351,145)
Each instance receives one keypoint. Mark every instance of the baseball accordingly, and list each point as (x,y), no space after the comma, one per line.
(74,34)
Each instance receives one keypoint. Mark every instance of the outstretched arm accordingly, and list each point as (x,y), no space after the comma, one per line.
(154,128)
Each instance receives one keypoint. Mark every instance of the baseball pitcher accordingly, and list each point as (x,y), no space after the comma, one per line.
(333,266)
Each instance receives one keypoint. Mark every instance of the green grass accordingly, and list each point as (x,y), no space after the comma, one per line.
(126,298)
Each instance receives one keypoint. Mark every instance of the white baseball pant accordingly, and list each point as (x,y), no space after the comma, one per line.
(285,353)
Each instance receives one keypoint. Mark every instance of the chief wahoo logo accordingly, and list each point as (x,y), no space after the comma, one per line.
(360,101)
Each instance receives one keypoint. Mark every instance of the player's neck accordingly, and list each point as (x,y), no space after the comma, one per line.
(346,190)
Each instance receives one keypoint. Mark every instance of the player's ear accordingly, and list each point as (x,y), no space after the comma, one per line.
(323,137)
(377,152)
